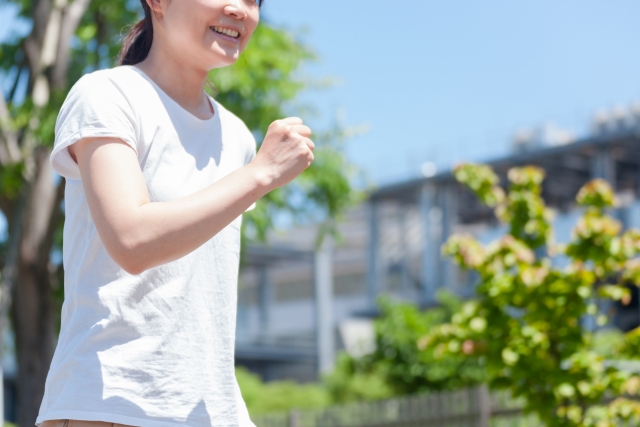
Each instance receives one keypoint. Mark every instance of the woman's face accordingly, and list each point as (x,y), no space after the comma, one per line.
(206,34)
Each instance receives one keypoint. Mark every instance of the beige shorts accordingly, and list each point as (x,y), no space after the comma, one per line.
(79,423)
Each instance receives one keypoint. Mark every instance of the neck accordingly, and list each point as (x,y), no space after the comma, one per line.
(183,83)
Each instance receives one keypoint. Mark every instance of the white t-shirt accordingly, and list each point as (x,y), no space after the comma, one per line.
(155,349)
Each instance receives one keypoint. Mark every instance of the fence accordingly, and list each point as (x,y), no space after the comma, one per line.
(466,408)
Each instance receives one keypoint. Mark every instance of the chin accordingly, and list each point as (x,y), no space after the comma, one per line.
(221,64)
(222,59)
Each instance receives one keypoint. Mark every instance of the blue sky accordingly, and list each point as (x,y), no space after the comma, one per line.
(447,81)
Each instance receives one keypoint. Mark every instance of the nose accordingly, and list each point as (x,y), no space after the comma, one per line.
(236,9)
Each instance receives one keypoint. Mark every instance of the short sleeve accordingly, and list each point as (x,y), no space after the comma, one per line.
(94,107)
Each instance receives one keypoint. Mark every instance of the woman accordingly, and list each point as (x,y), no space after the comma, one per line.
(158,175)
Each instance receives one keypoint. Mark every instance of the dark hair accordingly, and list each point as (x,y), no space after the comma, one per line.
(137,44)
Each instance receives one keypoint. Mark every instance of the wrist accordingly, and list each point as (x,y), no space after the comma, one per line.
(262,179)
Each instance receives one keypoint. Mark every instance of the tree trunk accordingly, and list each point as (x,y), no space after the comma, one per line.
(34,322)
(33,307)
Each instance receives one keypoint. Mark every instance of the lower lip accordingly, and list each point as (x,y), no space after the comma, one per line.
(226,37)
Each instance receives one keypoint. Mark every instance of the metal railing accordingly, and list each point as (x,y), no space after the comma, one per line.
(475,407)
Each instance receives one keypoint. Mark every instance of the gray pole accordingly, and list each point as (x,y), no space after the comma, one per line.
(324,300)
(603,165)
(449,220)
(431,221)
(265,301)
(373,267)
(405,278)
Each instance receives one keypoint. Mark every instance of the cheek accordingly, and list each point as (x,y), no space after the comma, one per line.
(187,17)
(251,25)
(186,31)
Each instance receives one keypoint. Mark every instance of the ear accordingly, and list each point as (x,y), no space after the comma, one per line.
(155,5)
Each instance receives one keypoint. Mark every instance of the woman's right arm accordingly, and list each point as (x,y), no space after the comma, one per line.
(139,234)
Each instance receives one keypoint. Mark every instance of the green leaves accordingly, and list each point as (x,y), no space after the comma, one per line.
(466,250)
(596,194)
(522,209)
(406,364)
(527,321)
(87,32)
(596,237)
(278,396)
(482,181)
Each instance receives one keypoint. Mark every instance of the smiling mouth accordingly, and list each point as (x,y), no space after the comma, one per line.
(226,31)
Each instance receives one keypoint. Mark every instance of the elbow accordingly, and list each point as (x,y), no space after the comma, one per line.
(132,268)
(128,256)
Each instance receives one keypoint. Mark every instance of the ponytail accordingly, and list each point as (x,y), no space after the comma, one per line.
(137,44)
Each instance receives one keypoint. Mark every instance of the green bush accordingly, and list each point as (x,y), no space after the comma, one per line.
(526,324)
(277,396)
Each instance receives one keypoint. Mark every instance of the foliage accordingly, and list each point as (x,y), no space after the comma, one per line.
(340,386)
(279,396)
(398,366)
(526,324)
(609,343)
(629,348)
(407,369)
(351,381)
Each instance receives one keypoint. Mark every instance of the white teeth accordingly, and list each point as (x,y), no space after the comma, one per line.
(226,31)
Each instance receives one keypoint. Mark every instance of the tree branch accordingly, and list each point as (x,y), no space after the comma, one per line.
(54,221)
(16,82)
(39,207)
(71,16)
(33,42)
(10,153)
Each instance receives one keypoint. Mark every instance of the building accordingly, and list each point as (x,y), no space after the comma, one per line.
(292,317)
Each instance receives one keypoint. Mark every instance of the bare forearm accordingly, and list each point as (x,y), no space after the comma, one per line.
(160,232)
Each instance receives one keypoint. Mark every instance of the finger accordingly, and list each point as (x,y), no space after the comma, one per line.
(310,144)
(292,121)
(301,130)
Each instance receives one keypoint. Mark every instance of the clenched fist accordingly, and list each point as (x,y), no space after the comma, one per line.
(285,152)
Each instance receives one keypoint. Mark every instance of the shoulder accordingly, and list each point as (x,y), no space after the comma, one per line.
(112,84)
(96,100)
(94,107)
